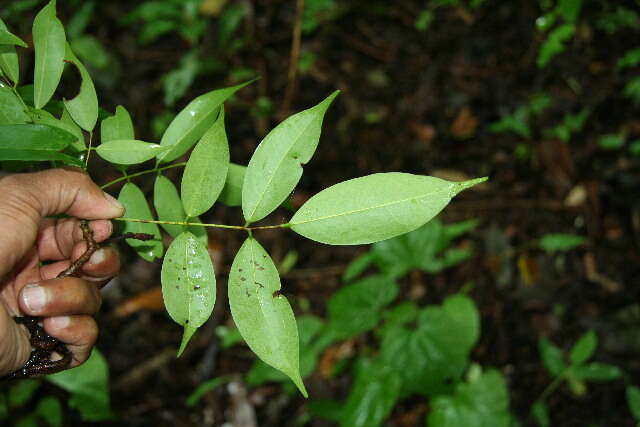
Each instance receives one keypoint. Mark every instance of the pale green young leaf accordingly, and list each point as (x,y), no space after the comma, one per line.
(262,315)
(83,108)
(88,385)
(7,38)
(193,121)
(188,284)
(584,348)
(49,44)
(231,194)
(206,170)
(552,242)
(118,126)
(276,166)
(374,207)
(633,400)
(11,109)
(128,151)
(9,65)
(44,117)
(135,204)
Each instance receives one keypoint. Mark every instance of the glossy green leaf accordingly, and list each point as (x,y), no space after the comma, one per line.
(375,392)
(7,38)
(560,242)
(11,109)
(117,127)
(483,402)
(128,151)
(633,400)
(71,126)
(193,121)
(596,371)
(540,413)
(433,355)
(89,387)
(188,284)
(206,170)
(83,108)
(231,194)
(49,43)
(262,315)
(39,156)
(9,64)
(44,117)
(135,204)
(374,207)
(356,308)
(276,166)
(34,137)
(584,348)
(552,357)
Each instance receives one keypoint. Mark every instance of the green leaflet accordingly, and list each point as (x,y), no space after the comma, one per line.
(188,284)
(44,117)
(633,400)
(11,109)
(7,38)
(66,122)
(552,242)
(118,126)
(276,166)
(374,207)
(89,387)
(169,208)
(49,43)
(552,357)
(206,170)
(231,194)
(262,315)
(84,107)
(483,401)
(9,59)
(584,348)
(135,204)
(128,151)
(193,121)
(34,137)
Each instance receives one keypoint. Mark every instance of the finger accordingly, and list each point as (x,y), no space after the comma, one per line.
(57,238)
(29,197)
(101,267)
(78,332)
(58,297)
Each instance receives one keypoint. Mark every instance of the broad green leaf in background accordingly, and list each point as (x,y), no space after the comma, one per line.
(231,194)
(44,117)
(188,284)
(34,137)
(633,400)
(583,349)
(262,315)
(9,59)
(479,403)
(128,151)
(612,141)
(193,121)
(356,308)
(117,127)
(357,266)
(374,207)
(204,388)
(433,355)
(596,371)
(50,410)
(276,165)
(561,242)
(135,204)
(373,395)
(554,44)
(552,357)
(83,108)
(49,44)
(11,109)
(540,413)
(7,38)
(22,392)
(206,170)
(89,387)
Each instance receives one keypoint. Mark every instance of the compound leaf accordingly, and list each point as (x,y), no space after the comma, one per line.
(83,108)
(118,126)
(128,151)
(49,43)
(135,204)
(374,207)
(188,284)
(206,170)
(263,316)
(276,166)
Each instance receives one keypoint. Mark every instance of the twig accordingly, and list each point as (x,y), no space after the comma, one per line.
(294,57)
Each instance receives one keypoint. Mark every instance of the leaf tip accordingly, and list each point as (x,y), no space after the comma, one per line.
(186,337)
(461,186)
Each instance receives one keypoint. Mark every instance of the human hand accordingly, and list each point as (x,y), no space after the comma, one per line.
(28,238)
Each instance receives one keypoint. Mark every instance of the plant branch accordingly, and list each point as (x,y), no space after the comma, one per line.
(133,175)
(294,58)
(199,224)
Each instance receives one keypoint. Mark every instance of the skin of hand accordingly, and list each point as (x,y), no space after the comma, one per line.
(34,249)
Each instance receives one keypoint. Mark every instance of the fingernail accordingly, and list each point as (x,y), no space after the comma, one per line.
(60,322)
(98,256)
(35,297)
(114,202)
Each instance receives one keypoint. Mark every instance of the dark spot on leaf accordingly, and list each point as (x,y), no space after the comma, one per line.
(239,269)
(186,321)
(196,287)
(247,291)
(260,268)
(276,293)
(177,287)
(264,256)
(243,278)
(259,284)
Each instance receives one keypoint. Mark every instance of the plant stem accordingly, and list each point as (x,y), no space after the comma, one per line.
(553,385)
(199,224)
(133,175)
(86,162)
